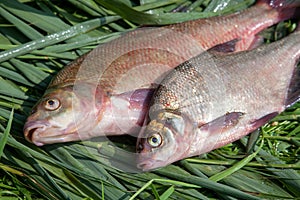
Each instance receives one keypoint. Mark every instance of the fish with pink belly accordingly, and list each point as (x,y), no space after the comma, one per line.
(212,100)
(107,91)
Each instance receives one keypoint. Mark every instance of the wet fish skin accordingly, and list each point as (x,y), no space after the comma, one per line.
(212,100)
(118,77)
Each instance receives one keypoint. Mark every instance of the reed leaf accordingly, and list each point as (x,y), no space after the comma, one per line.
(5,135)
(38,38)
(54,38)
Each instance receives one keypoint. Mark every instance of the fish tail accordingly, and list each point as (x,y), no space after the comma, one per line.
(287,8)
(280,3)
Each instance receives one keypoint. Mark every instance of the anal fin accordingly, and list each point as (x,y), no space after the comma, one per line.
(222,123)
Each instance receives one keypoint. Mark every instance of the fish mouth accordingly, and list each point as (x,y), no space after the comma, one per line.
(145,166)
(42,133)
(146,163)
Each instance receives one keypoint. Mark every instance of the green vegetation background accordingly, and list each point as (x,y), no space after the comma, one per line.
(39,37)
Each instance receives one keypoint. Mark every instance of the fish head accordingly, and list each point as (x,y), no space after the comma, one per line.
(164,140)
(59,116)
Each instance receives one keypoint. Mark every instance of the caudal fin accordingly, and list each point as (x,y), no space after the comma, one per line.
(281,3)
(287,8)
(293,95)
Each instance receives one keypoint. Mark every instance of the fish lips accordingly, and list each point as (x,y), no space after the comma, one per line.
(32,131)
(146,162)
(41,133)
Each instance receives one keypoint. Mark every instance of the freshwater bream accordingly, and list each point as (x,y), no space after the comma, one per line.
(212,100)
(107,91)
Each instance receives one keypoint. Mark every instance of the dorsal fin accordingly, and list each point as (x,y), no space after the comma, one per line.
(294,89)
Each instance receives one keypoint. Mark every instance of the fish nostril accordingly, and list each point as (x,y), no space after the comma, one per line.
(34,110)
(139,148)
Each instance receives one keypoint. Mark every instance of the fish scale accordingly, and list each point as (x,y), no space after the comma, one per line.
(186,40)
(67,75)
(235,94)
(186,78)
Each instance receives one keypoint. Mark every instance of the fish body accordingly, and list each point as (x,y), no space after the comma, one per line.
(212,100)
(109,88)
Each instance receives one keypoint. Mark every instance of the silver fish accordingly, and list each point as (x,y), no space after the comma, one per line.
(212,100)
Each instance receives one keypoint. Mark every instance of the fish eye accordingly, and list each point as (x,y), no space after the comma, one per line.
(155,140)
(52,104)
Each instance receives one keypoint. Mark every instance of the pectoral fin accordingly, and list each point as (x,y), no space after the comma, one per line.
(222,123)
(294,89)
(263,120)
(229,120)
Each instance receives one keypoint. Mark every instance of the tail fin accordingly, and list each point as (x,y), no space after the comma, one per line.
(287,8)
(281,3)
(293,95)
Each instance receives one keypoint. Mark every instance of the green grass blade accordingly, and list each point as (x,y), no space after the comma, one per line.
(191,169)
(89,6)
(54,38)
(10,89)
(82,43)
(154,191)
(49,23)
(14,76)
(154,5)
(162,19)
(102,189)
(35,76)
(289,177)
(206,183)
(141,189)
(23,27)
(59,192)
(78,170)
(235,167)
(4,136)
(84,189)
(166,195)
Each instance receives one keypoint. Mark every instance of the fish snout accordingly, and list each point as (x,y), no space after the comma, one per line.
(144,162)
(148,161)
(144,166)
(32,131)
(143,157)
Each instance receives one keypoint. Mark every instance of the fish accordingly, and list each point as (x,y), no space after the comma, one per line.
(214,99)
(108,90)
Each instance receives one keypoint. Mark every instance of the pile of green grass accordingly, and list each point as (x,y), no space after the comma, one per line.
(38,38)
